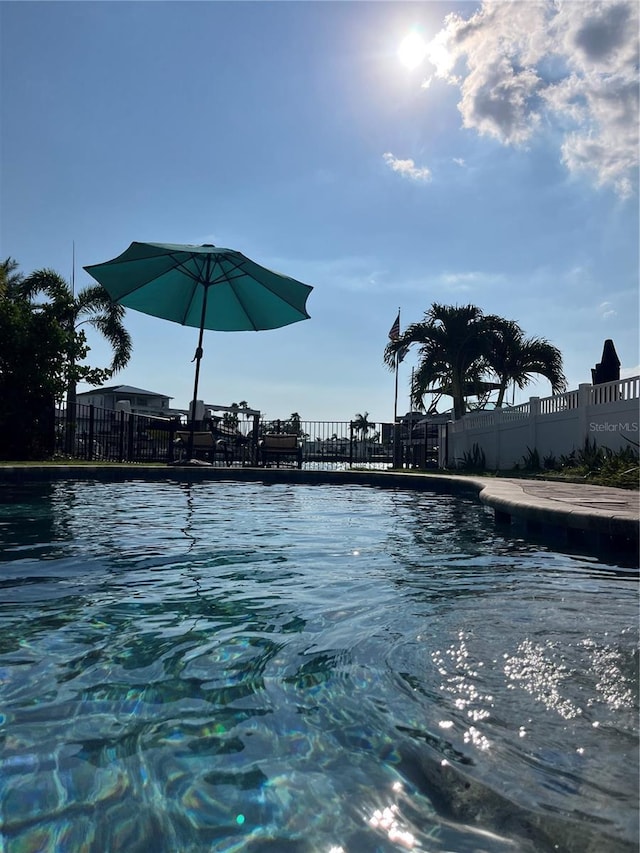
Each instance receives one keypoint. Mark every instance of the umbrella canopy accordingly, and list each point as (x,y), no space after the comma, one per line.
(202,286)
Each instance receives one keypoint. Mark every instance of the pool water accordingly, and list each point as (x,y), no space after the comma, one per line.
(225,666)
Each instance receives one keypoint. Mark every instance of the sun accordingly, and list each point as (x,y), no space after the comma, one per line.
(412,50)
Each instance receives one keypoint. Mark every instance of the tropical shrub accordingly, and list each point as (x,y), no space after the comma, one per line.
(474,460)
(531,460)
(32,377)
(604,466)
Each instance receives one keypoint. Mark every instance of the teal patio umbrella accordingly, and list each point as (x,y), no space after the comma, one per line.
(202,286)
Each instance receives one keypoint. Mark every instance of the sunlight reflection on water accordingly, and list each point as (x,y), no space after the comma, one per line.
(227,666)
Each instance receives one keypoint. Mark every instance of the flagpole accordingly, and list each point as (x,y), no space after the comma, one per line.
(412,455)
(396,433)
(395,400)
(394,334)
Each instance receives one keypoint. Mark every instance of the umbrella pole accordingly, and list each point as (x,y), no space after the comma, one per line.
(197,358)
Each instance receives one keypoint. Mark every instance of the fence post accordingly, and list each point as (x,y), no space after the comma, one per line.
(121,438)
(71,418)
(423,449)
(584,400)
(130,439)
(498,420)
(461,441)
(255,438)
(450,445)
(534,412)
(172,438)
(91,431)
(443,445)
(397,446)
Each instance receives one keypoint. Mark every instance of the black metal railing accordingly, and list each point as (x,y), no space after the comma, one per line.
(334,443)
(96,434)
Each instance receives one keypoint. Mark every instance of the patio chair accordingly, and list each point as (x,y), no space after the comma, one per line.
(205,445)
(278,448)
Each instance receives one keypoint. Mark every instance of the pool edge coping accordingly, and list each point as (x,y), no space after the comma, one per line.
(506,496)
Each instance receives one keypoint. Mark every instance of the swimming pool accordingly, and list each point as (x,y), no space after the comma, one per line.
(229,666)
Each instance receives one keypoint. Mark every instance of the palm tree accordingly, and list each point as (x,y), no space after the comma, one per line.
(92,306)
(10,278)
(293,424)
(230,419)
(514,358)
(362,424)
(460,348)
(452,352)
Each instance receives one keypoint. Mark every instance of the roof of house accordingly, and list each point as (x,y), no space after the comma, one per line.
(123,389)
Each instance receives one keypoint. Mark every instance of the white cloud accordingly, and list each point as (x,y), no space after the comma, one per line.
(463,282)
(459,161)
(461,277)
(407,168)
(525,66)
(607,311)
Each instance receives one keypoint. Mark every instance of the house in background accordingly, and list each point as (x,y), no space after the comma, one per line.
(127,398)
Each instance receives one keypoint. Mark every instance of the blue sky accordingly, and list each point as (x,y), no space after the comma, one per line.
(500,171)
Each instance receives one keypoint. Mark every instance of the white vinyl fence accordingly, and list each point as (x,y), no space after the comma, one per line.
(554,426)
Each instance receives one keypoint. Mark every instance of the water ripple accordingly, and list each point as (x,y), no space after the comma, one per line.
(231,666)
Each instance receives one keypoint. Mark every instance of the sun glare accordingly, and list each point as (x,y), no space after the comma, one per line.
(412,50)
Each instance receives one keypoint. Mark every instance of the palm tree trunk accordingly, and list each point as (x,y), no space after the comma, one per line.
(457,388)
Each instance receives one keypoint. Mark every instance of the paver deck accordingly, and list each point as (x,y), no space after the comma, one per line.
(599,515)
(576,506)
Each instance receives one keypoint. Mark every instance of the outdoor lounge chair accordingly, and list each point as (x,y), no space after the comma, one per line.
(280,448)
(205,445)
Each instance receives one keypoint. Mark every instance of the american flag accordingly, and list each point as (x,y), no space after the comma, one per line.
(394,331)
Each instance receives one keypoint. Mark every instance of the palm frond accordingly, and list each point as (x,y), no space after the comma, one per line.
(110,326)
(51,285)
(10,278)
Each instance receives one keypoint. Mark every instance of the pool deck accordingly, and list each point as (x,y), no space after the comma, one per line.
(574,506)
(582,514)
